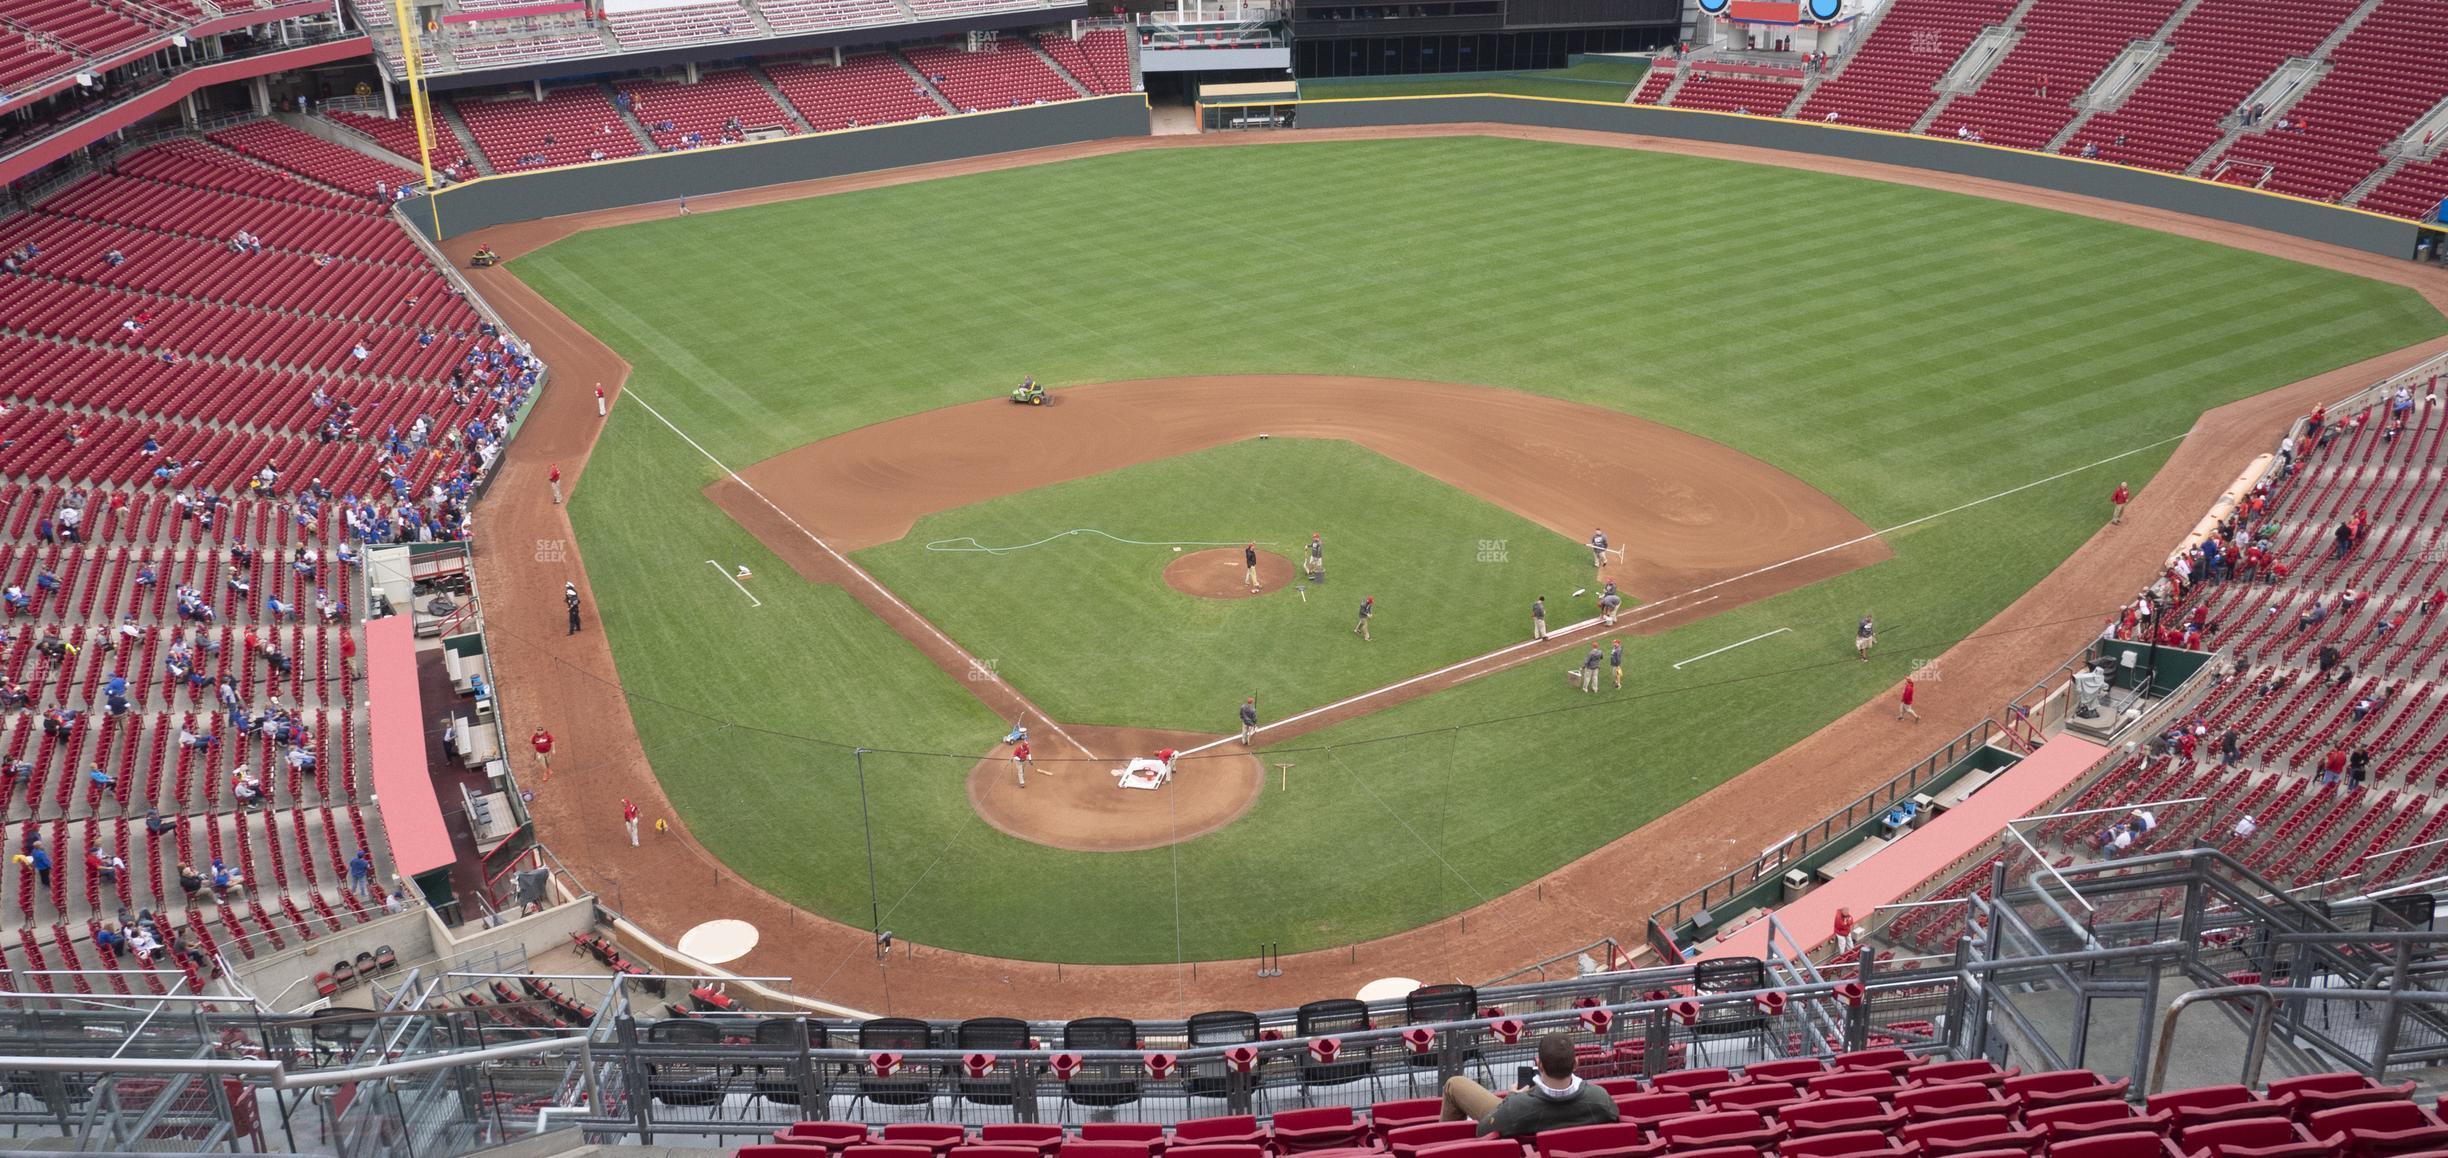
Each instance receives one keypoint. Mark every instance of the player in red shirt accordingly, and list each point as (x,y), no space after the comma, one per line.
(2117,499)
(1904,701)
(543,742)
(1020,761)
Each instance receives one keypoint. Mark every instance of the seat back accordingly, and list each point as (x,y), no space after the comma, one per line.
(1606,1137)
(1846,1144)
(1222,1128)
(895,1033)
(1407,1140)
(1434,1004)
(1102,1085)
(2137,1145)
(1213,1028)
(991,1033)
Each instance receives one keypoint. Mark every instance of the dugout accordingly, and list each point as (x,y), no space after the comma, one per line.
(1268,104)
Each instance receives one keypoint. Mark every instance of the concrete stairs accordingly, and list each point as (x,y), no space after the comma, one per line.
(2013,26)
(940,99)
(2382,174)
(628,116)
(2065,135)
(799,123)
(2319,54)
(446,116)
(1666,95)
(1861,36)
(1056,65)
(348,139)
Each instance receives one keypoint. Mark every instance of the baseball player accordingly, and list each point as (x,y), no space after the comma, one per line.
(629,819)
(1020,761)
(1368,607)
(1904,702)
(1598,548)
(1317,558)
(1865,637)
(1538,618)
(554,477)
(1615,660)
(1249,720)
(1249,565)
(1589,669)
(2116,501)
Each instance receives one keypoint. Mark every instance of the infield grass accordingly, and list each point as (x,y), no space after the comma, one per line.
(1943,349)
(1087,628)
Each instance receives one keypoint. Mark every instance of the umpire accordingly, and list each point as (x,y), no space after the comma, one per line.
(569,595)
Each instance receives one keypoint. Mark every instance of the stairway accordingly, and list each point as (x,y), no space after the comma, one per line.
(2380,175)
(1861,36)
(2319,55)
(923,82)
(1666,95)
(446,115)
(1056,65)
(2013,26)
(628,116)
(2065,136)
(799,123)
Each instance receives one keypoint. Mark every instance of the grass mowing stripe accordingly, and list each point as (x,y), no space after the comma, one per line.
(1950,348)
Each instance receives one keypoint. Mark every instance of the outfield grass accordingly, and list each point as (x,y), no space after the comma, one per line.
(1608,81)
(1059,619)
(1945,349)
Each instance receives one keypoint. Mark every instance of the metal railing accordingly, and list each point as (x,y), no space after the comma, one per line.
(1765,869)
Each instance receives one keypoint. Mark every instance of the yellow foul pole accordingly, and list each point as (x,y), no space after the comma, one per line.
(419,107)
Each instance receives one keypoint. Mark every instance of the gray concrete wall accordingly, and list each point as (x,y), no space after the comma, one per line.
(497,200)
(2353,229)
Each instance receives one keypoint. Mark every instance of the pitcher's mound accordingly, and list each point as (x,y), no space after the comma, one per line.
(1218,573)
(1075,804)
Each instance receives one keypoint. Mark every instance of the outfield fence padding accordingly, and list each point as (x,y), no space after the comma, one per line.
(2311,220)
(503,198)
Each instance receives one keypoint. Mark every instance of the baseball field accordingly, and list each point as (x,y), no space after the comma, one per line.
(1955,382)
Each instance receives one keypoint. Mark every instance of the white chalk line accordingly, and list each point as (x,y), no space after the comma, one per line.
(753,601)
(1398,685)
(975,666)
(1731,646)
(1658,608)
(947,545)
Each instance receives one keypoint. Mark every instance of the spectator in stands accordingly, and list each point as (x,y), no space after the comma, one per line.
(225,879)
(100,778)
(393,902)
(246,788)
(2333,766)
(155,823)
(113,258)
(109,939)
(2358,766)
(361,873)
(38,858)
(143,943)
(1554,1098)
(189,879)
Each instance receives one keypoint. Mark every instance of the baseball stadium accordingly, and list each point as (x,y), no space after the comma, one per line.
(1224,578)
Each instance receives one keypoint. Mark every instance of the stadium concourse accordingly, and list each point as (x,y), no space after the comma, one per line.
(1576,905)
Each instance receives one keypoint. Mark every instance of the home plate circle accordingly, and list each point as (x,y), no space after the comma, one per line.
(719,942)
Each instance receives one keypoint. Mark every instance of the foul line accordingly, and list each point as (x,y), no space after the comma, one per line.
(1373,693)
(1659,608)
(855,569)
(1731,646)
(753,601)
(952,545)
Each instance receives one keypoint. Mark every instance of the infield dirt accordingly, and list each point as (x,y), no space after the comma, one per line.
(1607,893)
